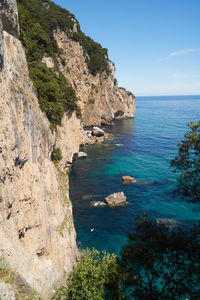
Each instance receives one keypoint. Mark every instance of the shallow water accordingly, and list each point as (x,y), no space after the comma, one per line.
(149,142)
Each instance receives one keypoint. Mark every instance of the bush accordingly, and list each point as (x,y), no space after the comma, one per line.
(91,101)
(94,273)
(56,155)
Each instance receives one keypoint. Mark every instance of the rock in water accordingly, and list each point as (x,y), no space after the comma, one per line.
(128,179)
(170,223)
(82,155)
(98,132)
(115,199)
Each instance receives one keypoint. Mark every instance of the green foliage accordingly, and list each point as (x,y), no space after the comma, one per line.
(56,155)
(91,101)
(37,22)
(94,274)
(158,263)
(187,164)
(96,56)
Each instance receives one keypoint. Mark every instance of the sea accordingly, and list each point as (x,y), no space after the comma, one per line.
(141,147)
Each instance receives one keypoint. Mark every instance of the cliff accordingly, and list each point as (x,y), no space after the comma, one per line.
(37,235)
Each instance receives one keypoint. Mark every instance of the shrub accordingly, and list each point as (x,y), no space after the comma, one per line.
(56,155)
(89,280)
(91,101)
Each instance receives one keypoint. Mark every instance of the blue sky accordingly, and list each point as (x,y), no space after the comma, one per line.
(155,44)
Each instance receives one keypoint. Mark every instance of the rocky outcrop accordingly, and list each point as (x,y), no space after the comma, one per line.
(100,98)
(37,235)
(115,199)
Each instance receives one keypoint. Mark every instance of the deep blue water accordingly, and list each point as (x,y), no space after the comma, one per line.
(149,143)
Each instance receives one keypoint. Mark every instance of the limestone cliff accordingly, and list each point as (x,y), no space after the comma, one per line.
(37,235)
(100,98)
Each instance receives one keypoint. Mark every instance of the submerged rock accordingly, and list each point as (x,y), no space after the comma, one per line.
(128,179)
(98,203)
(115,199)
(170,223)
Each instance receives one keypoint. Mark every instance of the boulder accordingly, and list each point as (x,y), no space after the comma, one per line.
(115,199)
(128,179)
(98,132)
(82,155)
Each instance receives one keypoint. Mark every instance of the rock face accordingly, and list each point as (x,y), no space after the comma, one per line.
(100,98)
(116,199)
(37,235)
(9,17)
(6,292)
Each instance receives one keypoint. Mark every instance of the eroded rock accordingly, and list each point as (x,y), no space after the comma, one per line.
(115,199)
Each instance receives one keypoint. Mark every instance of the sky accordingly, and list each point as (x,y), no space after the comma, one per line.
(155,44)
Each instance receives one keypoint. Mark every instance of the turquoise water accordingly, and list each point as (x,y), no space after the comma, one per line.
(149,143)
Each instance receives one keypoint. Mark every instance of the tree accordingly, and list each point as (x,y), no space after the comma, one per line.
(160,263)
(187,164)
(93,278)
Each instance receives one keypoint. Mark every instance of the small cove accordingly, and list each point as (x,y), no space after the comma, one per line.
(141,147)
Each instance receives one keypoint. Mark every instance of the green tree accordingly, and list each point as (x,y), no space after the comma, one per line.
(95,277)
(158,263)
(187,164)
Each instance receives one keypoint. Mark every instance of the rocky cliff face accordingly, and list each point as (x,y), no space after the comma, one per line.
(100,98)
(37,235)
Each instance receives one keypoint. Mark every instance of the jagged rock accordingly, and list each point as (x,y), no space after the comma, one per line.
(82,155)
(128,179)
(115,199)
(98,203)
(98,132)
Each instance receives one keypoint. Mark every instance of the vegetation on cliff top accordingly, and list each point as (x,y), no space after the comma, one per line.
(38,20)
(55,95)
